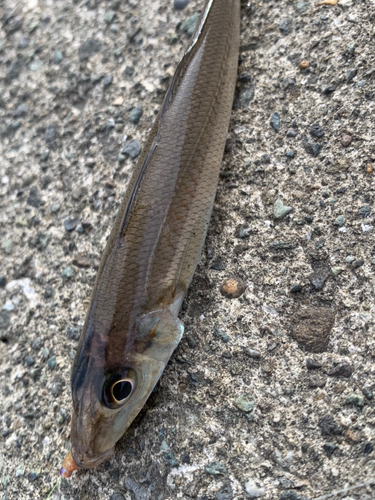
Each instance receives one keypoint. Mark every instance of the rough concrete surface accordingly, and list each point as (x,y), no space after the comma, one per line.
(244,409)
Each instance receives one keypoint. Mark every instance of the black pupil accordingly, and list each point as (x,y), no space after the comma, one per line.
(122,389)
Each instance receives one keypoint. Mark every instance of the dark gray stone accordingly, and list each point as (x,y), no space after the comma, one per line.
(244,97)
(316,131)
(107,81)
(311,147)
(365,211)
(216,469)
(88,48)
(71,223)
(180,4)
(350,74)
(135,114)
(33,200)
(275,121)
(328,426)
(312,364)
(341,370)
(296,288)
(286,26)
(225,493)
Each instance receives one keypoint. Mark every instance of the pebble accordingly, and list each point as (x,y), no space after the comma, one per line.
(170,459)
(135,114)
(232,288)
(341,370)
(216,469)
(7,246)
(312,364)
(369,168)
(51,362)
(304,64)
(367,393)
(291,495)
(316,131)
(296,288)
(58,57)
(329,449)
(340,221)
(68,273)
(131,148)
(30,361)
(77,193)
(253,353)
(275,121)
(311,327)
(245,403)
(180,4)
(367,448)
(245,96)
(311,147)
(280,210)
(3,281)
(286,26)
(109,16)
(302,7)
(357,263)
(350,74)
(117,496)
(349,259)
(346,140)
(33,200)
(107,81)
(55,207)
(21,110)
(318,278)
(329,90)
(221,334)
(71,223)
(291,133)
(189,25)
(225,493)
(328,426)
(253,490)
(365,211)
(88,48)
(355,399)
(32,476)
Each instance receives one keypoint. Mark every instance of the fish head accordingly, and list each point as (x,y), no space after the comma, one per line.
(107,399)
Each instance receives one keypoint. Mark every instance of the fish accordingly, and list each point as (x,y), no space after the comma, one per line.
(132,325)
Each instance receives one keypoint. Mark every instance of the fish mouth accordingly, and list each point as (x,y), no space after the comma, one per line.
(85,461)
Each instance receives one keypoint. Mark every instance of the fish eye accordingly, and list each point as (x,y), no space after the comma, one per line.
(118,388)
(121,390)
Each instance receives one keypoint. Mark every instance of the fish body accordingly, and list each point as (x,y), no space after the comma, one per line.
(132,325)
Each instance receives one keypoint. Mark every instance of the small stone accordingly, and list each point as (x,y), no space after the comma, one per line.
(107,81)
(51,362)
(109,16)
(367,448)
(245,96)
(128,71)
(88,48)
(3,281)
(355,399)
(291,133)
(232,288)
(328,426)
(135,114)
(340,221)
(21,110)
(280,210)
(367,393)
(32,476)
(286,26)
(315,382)
(68,273)
(189,25)
(311,147)
(266,159)
(291,495)
(312,364)
(77,193)
(170,459)
(275,121)
(349,259)
(369,168)
(245,403)
(131,148)
(4,320)
(71,223)
(7,246)
(30,361)
(253,353)
(225,493)
(302,7)
(117,496)
(253,490)
(296,288)
(221,334)
(290,153)
(329,90)
(33,200)
(304,64)
(365,211)
(44,156)
(316,131)
(346,140)
(58,57)
(312,327)
(350,74)
(55,207)
(35,65)
(341,370)
(358,263)
(216,469)
(180,4)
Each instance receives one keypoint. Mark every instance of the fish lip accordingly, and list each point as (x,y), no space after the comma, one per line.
(89,462)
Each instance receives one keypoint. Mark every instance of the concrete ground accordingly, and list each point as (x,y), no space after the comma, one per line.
(270,394)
